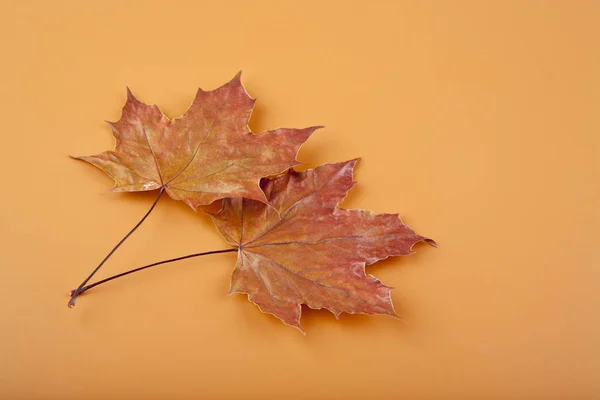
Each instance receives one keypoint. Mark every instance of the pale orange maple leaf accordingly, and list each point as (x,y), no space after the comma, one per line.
(207,154)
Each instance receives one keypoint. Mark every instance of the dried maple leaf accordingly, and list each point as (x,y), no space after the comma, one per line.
(303,249)
(207,154)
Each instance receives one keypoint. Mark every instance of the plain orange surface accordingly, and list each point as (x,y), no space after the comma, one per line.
(476,120)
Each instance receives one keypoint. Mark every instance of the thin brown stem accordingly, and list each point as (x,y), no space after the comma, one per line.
(78,291)
(206,253)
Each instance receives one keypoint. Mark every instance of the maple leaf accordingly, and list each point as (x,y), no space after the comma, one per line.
(303,249)
(207,154)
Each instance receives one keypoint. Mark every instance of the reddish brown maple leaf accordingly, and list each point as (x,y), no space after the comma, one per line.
(303,249)
(207,154)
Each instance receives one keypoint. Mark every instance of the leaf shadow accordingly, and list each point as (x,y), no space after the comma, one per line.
(257,119)
(353,197)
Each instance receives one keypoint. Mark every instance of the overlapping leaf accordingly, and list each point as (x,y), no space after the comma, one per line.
(207,154)
(303,249)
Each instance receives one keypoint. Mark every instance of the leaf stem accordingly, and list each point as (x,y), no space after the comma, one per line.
(78,291)
(88,287)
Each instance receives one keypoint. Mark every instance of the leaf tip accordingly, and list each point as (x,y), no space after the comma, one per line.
(308,132)
(295,325)
(237,80)
(391,311)
(78,158)
(130,96)
(352,163)
(191,204)
(430,242)
(398,318)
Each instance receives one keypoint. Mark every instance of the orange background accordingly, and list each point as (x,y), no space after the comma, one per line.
(476,120)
